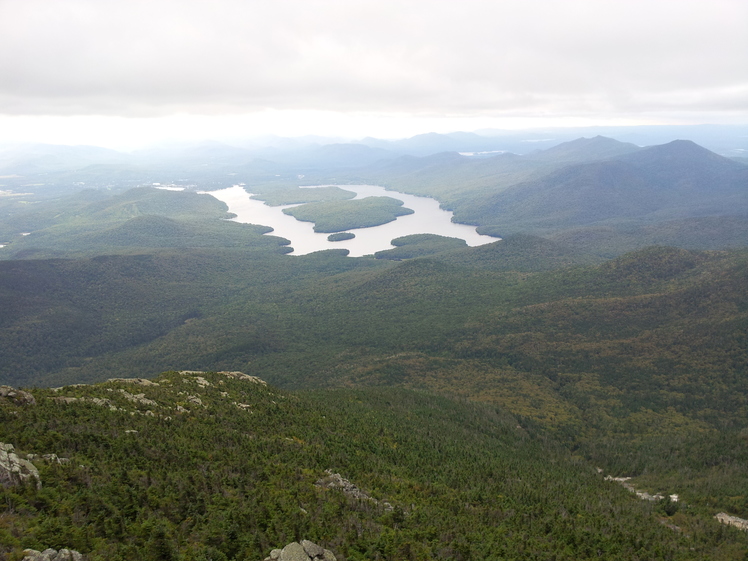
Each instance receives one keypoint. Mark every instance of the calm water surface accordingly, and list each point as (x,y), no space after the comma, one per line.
(428,218)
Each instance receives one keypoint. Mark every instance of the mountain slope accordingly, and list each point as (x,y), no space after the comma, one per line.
(197,465)
(673,181)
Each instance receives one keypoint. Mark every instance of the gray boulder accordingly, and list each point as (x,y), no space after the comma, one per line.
(312,549)
(19,397)
(293,552)
(15,470)
(52,555)
(304,551)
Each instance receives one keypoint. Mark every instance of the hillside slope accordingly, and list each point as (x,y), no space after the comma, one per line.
(677,180)
(220,466)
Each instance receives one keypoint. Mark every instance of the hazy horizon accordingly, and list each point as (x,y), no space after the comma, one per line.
(123,74)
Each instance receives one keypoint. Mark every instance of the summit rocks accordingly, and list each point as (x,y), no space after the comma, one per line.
(19,397)
(15,470)
(304,551)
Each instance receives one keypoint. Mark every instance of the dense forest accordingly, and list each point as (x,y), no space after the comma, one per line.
(220,466)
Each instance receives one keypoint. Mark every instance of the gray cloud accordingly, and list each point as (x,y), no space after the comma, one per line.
(147,58)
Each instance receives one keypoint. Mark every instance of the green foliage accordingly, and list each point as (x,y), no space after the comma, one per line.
(340,236)
(227,482)
(304,195)
(138,220)
(520,252)
(711,232)
(419,245)
(336,216)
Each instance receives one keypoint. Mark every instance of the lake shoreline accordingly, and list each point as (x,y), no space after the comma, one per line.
(428,218)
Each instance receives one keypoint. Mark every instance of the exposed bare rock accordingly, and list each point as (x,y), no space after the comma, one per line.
(312,549)
(337,481)
(195,400)
(15,470)
(732,520)
(234,375)
(19,397)
(243,376)
(66,399)
(95,400)
(304,551)
(68,386)
(138,398)
(641,494)
(139,381)
(293,552)
(52,555)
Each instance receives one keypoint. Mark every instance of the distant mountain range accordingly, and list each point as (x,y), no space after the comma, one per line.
(584,183)
(320,152)
(676,180)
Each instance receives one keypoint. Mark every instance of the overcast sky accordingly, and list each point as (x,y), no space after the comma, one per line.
(119,72)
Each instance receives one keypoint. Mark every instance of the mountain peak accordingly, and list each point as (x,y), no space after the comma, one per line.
(682,153)
(586,149)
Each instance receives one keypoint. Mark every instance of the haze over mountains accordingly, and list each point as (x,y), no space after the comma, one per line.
(593,348)
(609,195)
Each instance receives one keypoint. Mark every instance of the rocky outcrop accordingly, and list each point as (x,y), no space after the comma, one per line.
(641,494)
(139,398)
(19,397)
(15,470)
(199,380)
(243,376)
(95,400)
(138,381)
(301,551)
(337,481)
(52,555)
(53,458)
(725,518)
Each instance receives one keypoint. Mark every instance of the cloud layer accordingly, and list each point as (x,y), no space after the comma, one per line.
(426,57)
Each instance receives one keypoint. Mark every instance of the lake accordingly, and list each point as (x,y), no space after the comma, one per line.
(427,218)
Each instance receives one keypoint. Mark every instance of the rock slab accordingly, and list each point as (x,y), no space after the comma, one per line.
(304,551)
(52,555)
(15,470)
(19,397)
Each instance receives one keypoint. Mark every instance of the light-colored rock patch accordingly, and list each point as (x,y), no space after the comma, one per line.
(243,376)
(15,470)
(95,400)
(138,398)
(725,518)
(336,481)
(139,381)
(641,494)
(19,397)
(52,555)
(69,386)
(304,551)
(54,458)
